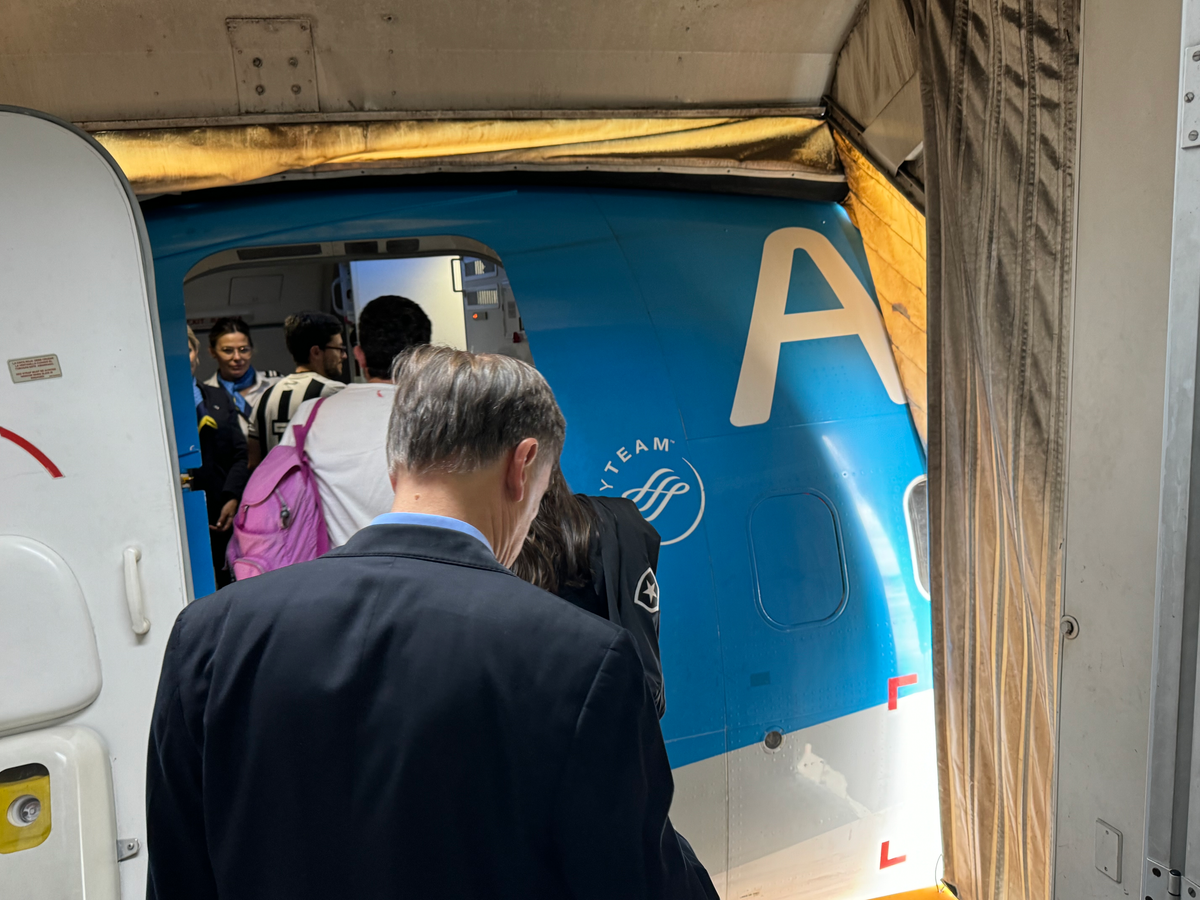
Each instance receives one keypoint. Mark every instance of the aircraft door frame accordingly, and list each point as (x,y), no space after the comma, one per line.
(93,520)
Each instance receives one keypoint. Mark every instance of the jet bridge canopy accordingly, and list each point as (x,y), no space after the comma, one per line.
(176,61)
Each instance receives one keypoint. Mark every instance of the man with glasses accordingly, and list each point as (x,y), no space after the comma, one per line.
(315,341)
(345,445)
(230,344)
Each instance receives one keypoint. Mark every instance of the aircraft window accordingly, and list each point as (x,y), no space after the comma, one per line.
(916,513)
(798,566)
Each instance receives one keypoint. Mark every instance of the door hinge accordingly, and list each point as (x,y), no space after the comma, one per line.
(127,848)
(1189,118)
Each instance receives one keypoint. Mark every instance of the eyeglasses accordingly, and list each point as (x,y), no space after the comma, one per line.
(341,350)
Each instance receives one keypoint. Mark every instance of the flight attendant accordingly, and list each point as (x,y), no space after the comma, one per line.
(230,344)
(223,470)
(600,554)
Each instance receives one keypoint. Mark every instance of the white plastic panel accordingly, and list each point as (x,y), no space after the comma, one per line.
(78,860)
(49,665)
(86,462)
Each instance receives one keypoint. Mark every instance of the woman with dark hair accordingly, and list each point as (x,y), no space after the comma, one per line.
(230,344)
(223,472)
(600,554)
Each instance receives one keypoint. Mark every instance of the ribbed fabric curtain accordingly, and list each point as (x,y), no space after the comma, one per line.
(999,83)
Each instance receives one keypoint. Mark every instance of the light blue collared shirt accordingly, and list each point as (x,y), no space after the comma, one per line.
(409,518)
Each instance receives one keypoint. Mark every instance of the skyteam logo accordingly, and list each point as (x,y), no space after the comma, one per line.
(666,488)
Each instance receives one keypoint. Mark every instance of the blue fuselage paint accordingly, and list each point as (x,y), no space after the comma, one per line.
(637,305)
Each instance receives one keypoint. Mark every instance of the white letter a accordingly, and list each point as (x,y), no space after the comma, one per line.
(771,326)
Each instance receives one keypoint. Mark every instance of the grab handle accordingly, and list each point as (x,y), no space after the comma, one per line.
(133,592)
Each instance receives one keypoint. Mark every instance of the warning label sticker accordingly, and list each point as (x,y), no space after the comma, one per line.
(34,368)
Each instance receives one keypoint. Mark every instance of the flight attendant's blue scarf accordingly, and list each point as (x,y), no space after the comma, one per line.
(234,389)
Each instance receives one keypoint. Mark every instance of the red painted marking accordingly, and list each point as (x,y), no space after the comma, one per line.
(894,685)
(32,451)
(884,860)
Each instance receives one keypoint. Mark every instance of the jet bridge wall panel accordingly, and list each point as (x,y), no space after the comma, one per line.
(1000,88)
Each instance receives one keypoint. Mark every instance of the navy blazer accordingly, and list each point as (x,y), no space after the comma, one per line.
(403,717)
(223,472)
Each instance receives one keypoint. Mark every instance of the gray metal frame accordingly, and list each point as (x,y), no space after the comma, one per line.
(1172,836)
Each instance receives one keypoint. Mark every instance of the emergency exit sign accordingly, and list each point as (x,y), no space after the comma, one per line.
(34,368)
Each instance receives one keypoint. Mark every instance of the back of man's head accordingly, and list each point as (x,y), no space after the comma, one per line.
(306,330)
(387,326)
(457,411)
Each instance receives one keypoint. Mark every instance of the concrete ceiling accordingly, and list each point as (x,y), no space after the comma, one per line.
(97,61)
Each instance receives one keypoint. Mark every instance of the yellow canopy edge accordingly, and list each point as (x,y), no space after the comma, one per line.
(893,234)
(164,160)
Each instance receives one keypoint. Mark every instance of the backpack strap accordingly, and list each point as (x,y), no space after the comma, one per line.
(301,431)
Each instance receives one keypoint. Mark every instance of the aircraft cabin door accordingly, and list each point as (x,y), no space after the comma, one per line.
(94,565)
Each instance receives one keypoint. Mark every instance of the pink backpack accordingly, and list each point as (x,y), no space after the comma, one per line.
(280,520)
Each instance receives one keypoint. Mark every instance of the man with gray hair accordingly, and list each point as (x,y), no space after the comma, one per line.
(404,717)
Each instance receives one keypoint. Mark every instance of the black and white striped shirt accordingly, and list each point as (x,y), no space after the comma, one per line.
(263,379)
(276,406)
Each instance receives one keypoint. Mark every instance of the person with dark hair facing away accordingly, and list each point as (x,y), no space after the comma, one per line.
(471,735)
(223,471)
(315,341)
(230,344)
(346,446)
(600,554)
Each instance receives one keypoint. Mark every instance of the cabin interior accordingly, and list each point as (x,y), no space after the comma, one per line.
(468,299)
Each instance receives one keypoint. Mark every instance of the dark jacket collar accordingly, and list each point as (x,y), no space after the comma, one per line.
(421,542)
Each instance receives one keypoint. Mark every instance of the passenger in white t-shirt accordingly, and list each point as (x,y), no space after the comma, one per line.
(346,445)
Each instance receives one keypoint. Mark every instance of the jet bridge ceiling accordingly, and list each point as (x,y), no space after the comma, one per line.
(123,60)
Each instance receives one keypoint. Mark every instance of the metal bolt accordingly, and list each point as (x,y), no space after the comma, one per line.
(257,62)
(295,88)
(127,848)
(258,89)
(24,810)
(1189,97)
(1068,626)
(1194,135)
(293,62)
